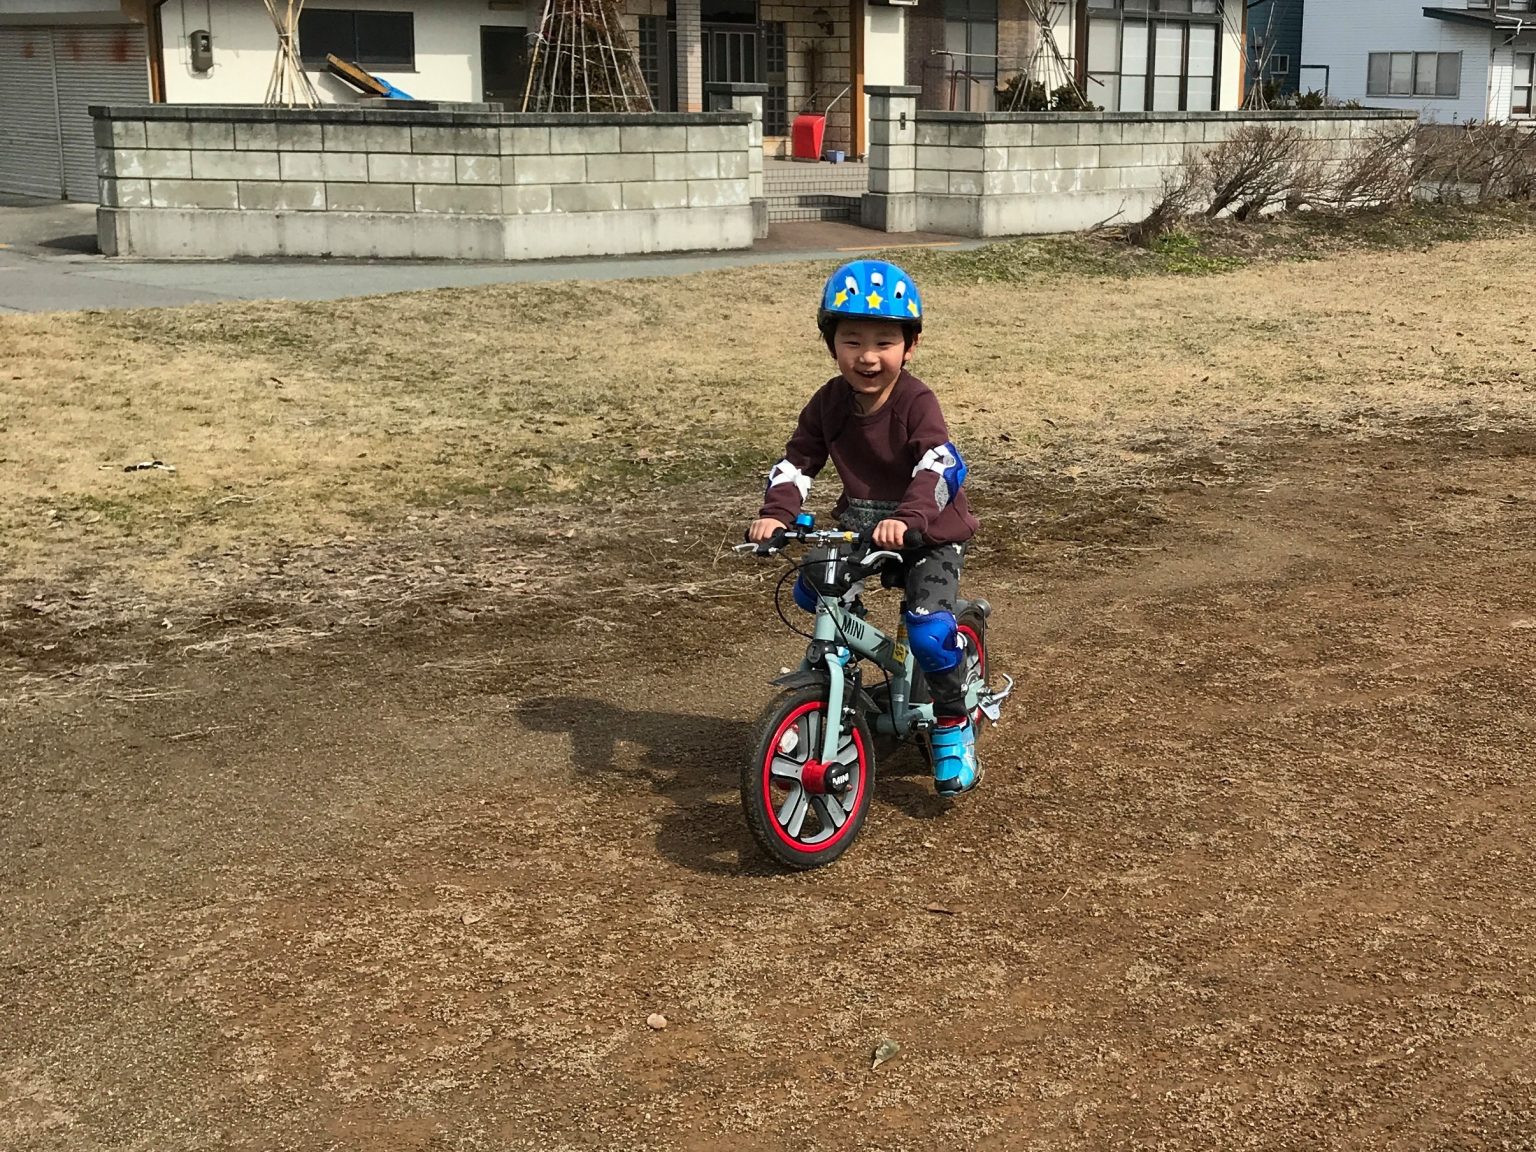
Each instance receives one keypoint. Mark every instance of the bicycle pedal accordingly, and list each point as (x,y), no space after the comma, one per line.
(991,704)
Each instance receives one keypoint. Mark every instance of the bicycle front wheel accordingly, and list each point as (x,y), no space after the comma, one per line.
(802,810)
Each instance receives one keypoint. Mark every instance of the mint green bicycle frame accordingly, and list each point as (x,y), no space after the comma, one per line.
(841,634)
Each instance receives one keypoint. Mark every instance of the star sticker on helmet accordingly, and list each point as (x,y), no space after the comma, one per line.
(874,299)
(840,299)
(912,307)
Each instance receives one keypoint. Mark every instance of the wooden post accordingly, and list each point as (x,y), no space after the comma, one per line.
(860,146)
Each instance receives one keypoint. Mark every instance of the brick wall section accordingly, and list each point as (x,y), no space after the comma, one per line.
(688,43)
(1017,38)
(208,181)
(925,36)
(995,174)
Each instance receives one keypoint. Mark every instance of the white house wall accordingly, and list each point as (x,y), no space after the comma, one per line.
(245,45)
(1343,35)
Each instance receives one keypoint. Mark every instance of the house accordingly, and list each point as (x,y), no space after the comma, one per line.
(1454,61)
(1274,45)
(58,57)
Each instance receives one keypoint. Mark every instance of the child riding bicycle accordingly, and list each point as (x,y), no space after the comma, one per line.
(885,433)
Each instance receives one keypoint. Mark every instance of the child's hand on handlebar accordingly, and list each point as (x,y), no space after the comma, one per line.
(761,531)
(889,534)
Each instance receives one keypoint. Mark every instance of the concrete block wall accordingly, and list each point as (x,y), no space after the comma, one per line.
(998,174)
(747,98)
(217,182)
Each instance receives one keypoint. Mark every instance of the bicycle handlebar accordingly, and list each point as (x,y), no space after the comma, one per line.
(860,540)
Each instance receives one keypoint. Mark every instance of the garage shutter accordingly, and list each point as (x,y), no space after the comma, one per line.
(94,65)
(29,126)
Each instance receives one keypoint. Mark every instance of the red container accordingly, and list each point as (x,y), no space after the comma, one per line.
(805,136)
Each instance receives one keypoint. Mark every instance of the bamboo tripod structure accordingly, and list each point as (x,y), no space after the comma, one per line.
(290,84)
(582,61)
(1048,65)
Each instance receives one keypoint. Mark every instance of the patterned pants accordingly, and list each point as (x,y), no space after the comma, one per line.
(933,585)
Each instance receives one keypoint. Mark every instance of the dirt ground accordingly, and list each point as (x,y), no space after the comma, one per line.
(1252,866)
(367,782)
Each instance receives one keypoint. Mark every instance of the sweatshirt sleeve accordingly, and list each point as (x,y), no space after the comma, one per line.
(789,481)
(939,472)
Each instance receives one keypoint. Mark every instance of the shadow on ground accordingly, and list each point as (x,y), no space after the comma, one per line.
(695,763)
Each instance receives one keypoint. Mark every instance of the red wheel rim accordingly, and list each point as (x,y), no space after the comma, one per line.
(974,644)
(850,800)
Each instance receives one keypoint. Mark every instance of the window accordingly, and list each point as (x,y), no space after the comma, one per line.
(1167,65)
(654,51)
(1279,63)
(776,76)
(1431,74)
(368,39)
(1525,83)
(970,39)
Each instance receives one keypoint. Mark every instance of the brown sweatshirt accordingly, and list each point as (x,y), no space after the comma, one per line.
(896,463)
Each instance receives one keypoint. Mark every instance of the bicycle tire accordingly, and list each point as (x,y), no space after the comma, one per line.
(769,798)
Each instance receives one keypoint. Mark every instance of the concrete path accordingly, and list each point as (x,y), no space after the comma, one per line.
(48,263)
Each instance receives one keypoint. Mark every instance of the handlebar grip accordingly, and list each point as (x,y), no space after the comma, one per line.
(913,539)
(774,543)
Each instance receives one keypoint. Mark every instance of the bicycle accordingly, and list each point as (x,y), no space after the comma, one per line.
(805,790)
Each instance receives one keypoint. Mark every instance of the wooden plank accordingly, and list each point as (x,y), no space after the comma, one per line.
(355,76)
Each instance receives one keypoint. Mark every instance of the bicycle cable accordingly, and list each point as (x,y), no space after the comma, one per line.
(795,567)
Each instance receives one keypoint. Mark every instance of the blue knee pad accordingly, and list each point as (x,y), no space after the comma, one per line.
(934,640)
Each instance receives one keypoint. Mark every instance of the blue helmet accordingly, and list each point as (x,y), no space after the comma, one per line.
(870,290)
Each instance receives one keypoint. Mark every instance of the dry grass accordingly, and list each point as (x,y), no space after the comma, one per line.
(292,423)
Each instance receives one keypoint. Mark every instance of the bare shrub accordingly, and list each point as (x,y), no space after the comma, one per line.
(1176,200)
(1309,181)
(1488,160)
(1378,170)
(1254,170)
(1504,159)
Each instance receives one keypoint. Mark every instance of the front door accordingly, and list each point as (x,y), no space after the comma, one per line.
(504,65)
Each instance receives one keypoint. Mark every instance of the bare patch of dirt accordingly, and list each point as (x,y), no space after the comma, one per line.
(1251,867)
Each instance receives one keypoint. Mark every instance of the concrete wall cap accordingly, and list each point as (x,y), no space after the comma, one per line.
(397,113)
(1234,116)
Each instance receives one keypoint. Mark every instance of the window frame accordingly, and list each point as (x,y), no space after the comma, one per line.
(1414,63)
(1151,19)
(982,70)
(1279,63)
(376,63)
(1529,87)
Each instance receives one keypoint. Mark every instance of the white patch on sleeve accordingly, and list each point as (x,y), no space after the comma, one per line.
(939,461)
(786,473)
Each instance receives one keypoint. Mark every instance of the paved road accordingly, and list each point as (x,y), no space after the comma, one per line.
(48,263)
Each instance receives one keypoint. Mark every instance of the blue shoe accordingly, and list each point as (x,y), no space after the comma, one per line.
(955,769)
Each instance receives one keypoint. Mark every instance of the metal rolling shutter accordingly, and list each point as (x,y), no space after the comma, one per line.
(94,65)
(29,126)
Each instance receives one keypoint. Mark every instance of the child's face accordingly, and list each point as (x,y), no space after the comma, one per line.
(870,354)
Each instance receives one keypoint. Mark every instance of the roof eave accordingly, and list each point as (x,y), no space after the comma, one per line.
(1479,19)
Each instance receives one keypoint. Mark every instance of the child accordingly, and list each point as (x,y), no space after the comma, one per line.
(885,433)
